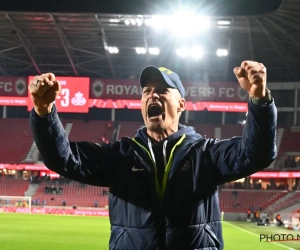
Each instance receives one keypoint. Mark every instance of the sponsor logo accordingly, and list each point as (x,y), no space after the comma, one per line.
(243,94)
(97,88)
(20,86)
(78,99)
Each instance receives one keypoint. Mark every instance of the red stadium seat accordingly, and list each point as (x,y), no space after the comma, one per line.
(74,194)
(16,138)
(248,198)
(13,187)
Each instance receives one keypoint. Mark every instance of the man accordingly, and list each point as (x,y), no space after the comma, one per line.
(278,220)
(163,182)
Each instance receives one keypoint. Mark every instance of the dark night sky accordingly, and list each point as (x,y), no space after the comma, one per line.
(211,7)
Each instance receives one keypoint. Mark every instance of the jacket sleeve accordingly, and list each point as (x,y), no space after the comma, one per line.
(85,162)
(255,150)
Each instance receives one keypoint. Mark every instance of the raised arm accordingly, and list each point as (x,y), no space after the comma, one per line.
(85,162)
(239,157)
(81,161)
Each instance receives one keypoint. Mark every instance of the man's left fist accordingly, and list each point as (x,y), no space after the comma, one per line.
(252,77)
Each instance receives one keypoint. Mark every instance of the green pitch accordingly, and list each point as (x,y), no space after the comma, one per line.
(53,232)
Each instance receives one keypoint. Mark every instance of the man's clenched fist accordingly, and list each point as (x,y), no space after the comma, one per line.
(252,77)
(43,90)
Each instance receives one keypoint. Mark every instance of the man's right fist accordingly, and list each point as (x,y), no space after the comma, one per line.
(44,90)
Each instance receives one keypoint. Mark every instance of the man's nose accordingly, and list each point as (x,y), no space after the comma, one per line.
(154,94)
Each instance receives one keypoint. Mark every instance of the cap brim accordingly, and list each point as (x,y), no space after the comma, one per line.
(151,71)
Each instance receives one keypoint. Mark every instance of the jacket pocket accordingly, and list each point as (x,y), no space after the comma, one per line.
(116,234)
(212,235)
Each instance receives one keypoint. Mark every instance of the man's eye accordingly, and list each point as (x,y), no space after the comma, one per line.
(164,90)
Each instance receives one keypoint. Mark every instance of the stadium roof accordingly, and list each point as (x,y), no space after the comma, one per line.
(76,44)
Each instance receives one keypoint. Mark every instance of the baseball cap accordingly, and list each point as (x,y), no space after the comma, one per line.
(171,78)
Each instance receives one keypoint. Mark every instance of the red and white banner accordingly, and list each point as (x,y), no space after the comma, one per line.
(38,167)
(276,175)
(195,91)
(74,95)
(195,106)
(14,101)
(61,211)
(77,95)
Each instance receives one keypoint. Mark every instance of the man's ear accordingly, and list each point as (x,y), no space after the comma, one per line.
(182,105)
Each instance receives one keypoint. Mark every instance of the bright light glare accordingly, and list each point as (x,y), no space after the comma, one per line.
(113,50)
(187,23)
(157,22)
(183,52)
(222,52)
(140,50)
(194,52)
(127,22)
(147,22)
(222,22)
(184,23)
(154,51)
(223,27)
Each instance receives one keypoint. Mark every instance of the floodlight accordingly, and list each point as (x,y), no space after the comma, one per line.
(222,22)
(154,51)
(133,21)
(222,52)
(138,21)
(114,20)
(140,50)
(113,50)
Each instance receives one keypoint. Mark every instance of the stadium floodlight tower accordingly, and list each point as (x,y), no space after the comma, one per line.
(21,204)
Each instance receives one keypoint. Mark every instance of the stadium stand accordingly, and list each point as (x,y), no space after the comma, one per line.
(290,142)
(73,193)
(204,129)
(291,199)
(129,128)
(231,130)
(89,131)
(13,187)
(12,131)
(245,199)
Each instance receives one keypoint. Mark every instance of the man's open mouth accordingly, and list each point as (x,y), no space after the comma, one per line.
(154,111)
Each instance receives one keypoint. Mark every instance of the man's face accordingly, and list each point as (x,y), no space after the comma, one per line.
(161,105)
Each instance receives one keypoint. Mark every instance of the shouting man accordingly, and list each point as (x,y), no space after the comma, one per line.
(164,181)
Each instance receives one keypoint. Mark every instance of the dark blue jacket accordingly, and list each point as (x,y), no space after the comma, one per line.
(183,213)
